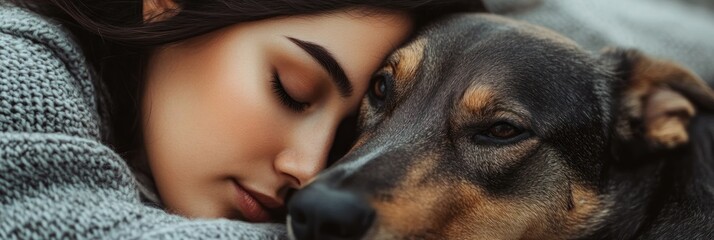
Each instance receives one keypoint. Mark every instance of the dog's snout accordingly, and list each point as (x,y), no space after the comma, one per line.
(322,212)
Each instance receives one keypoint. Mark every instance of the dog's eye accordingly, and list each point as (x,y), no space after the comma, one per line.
(380,88)
(501,133)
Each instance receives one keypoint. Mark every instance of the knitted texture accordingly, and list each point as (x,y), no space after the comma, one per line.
(57,181)
(45,86)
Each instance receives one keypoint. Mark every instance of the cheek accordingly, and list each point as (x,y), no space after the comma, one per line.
(210,103)
(205,121)
(224,118)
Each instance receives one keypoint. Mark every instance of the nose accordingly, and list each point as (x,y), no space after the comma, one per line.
(306,154)
(322,212)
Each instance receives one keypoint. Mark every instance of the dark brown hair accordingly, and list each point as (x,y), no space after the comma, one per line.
(116,40)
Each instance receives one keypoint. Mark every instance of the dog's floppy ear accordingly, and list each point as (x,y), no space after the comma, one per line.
(657,98)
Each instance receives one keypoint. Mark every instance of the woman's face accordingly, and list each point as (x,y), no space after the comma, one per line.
(235,118)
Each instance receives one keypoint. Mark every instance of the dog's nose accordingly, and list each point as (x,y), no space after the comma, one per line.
(322,212)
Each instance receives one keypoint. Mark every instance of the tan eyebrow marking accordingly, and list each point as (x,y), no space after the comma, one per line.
(406,61)
(478,98)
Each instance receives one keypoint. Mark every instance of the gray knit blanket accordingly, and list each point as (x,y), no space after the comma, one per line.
(58,181)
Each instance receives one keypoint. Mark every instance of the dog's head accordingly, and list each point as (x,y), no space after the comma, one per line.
(488,128)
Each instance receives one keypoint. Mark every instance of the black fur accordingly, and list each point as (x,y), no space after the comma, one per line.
(570,99)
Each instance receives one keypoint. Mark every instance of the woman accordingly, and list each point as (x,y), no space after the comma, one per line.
(220,108)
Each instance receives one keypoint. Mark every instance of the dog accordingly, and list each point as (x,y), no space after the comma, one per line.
(484,127)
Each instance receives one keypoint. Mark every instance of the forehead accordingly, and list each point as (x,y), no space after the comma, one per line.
(493,47)
(359,39)
(480,59)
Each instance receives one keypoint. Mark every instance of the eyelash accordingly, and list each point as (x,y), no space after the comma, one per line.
(284,97)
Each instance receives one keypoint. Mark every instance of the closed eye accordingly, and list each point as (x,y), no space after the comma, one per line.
(284,96)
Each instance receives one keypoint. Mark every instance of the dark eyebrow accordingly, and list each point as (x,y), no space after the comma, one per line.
(327,61)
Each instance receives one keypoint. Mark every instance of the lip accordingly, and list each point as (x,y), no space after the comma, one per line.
(265,200)
(251,209)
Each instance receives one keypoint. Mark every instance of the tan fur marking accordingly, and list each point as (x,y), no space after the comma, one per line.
(667,114)
(406,61)
(649,98)
(488,218)
(408,211)
(478,98)
(404,217)
(483,217)
(586,212)
(460,210)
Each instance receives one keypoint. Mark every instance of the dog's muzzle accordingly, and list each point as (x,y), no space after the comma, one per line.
(323,212)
